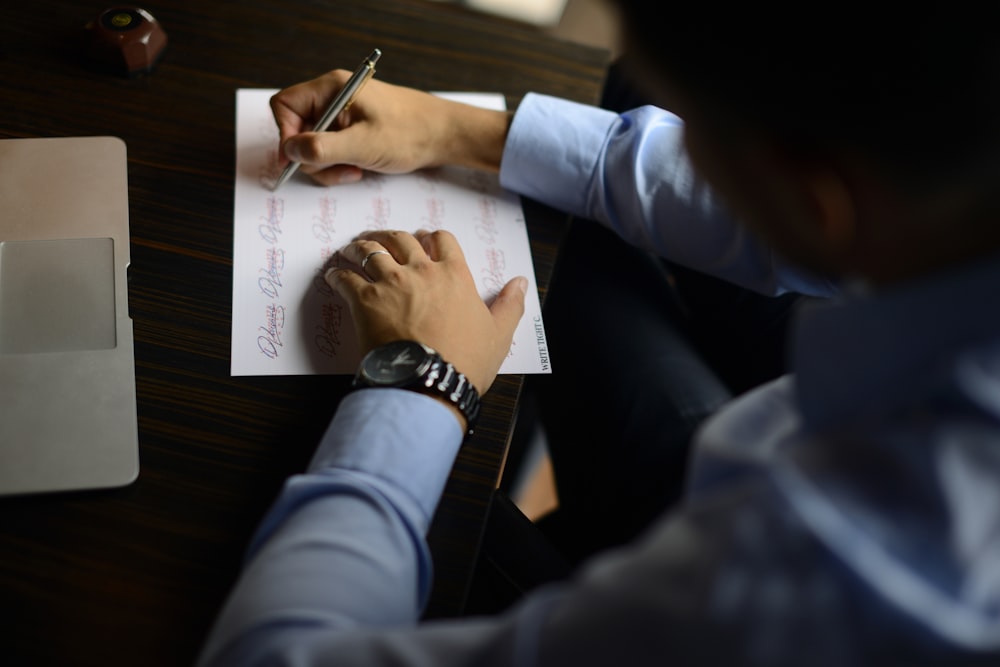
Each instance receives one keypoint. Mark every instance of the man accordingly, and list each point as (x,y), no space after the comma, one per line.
(846,514)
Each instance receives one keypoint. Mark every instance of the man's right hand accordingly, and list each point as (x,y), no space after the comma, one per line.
(387,129)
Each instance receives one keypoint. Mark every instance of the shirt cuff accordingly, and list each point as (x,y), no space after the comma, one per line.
(403,437)
(553,146)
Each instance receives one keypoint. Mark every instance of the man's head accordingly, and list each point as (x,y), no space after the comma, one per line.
(861,113)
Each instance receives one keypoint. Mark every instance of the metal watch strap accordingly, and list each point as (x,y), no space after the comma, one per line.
(443,379)
(437,377)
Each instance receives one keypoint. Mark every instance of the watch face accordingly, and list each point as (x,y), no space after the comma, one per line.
(395,363)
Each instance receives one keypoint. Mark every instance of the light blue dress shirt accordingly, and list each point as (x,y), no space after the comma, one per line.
(835,517)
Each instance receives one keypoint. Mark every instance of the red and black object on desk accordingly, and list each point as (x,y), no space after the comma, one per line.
(126,40)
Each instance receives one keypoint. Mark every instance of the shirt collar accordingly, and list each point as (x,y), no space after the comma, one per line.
(872,350)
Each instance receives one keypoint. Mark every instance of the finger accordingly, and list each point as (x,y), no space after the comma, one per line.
(404,246)
(338,174)
(377,263)
(288,119)
(440,245)
(344,142)
(356,251)
(297,107)
(508,306)
(347,283)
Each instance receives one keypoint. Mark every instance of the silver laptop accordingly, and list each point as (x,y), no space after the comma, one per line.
(67,371)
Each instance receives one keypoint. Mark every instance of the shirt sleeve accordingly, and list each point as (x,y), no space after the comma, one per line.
(343,545)
(631,172)
(338,573)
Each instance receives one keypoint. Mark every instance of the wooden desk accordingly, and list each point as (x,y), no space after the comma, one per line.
(135,575)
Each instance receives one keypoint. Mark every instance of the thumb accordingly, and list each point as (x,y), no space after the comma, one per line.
(306,147)
(322,149)
(328,156)
(508,306)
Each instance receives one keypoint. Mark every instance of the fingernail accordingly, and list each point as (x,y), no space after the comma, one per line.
(292,152)
(330,276)
(349,176)
(521,283)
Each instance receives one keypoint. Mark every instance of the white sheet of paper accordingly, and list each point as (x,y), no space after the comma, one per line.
(286,320)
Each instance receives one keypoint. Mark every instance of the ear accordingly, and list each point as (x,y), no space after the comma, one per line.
(820,195)
(833,202)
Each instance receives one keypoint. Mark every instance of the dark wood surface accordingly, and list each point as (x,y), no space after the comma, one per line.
(135,575)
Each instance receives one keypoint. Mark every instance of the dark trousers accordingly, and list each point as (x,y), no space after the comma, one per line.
(642,352)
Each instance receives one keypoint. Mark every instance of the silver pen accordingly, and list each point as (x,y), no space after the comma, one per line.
(337,106)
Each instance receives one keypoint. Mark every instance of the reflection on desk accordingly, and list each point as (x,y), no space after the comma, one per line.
(137,574)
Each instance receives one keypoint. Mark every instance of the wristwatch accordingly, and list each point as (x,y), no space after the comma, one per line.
(407,364)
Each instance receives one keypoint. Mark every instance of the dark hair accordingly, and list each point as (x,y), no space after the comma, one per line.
(917,91)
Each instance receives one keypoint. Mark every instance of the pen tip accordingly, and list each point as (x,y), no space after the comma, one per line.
(376,54)
(273,184)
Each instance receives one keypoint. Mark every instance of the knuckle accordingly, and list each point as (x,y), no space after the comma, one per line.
(435,237)
(314,149)
(366,246)
(367,295)
(393,277)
